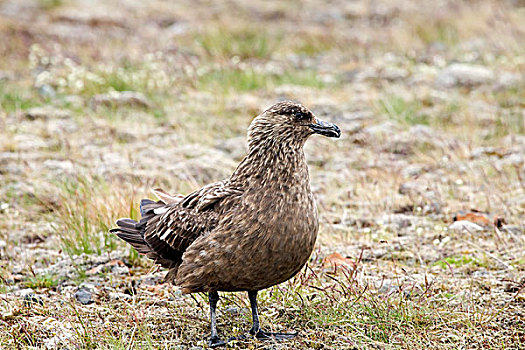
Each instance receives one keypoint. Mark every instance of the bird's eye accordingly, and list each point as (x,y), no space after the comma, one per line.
(300,116)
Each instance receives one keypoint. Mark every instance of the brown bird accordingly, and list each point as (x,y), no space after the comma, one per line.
(247,233)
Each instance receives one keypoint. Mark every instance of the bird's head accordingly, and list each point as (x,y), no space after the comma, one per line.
(288,122)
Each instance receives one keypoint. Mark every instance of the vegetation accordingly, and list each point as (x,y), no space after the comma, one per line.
(102,101)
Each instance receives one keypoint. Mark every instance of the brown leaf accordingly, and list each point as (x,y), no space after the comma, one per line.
(335,260)
(479,218)
(116,262)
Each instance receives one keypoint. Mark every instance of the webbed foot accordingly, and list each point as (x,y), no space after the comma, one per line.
(263,335)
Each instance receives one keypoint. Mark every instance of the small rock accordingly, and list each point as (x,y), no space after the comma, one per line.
(459,74)
(178,28)
(121,98)
(386,287)
(73,101)
(235,311)
(84,296)
(387,128)
(412,170)
(393,73)
(120,269)
(414,188)
(464,225)
(399,220)
(487,151)
(46,113)
(59,166)
(508,80)
(47,91)
(113,266)
(481,273)
(23,292)
(4,76)
(119,296)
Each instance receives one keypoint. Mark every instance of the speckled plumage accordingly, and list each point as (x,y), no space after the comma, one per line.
(246,233)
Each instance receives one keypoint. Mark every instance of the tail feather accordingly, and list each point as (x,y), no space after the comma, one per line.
(126,223)
(128,231)
(133,231)
(147,205)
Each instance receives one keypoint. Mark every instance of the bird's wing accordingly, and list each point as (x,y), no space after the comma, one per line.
(179,224)
(165,197)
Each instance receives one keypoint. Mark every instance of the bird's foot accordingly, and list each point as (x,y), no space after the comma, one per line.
(263,335)
(215,342)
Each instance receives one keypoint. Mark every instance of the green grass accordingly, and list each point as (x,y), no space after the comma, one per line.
(437,31)
(50,4)
(242,80)
(244,43)
(42,281)
(311,44)
(458,261)
(13,98)
(403,111)
(413,289)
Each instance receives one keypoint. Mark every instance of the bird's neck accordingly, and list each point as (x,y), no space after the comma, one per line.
(272,163)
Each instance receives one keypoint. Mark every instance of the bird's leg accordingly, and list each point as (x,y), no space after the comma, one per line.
(256,327)
(215,341)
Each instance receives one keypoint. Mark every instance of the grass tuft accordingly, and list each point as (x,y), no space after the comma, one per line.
(87,209)
(247,79)
(45,280)
(244,43)
(403,111)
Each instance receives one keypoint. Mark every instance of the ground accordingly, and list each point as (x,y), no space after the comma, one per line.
(103,100)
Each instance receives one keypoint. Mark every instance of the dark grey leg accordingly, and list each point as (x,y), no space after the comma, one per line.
(215,341)
(256,327)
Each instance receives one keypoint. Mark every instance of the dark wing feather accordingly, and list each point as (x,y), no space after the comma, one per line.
(168,227)
(172,232)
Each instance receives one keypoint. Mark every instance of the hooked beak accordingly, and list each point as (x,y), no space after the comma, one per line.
(325,128)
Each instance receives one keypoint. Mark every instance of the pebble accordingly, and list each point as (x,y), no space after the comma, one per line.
(459,74)
(235,311)
(46,113)
(47,91)
(121,98)
(464,225)
(398,220)
(508,80)
(84,296)
(119,296)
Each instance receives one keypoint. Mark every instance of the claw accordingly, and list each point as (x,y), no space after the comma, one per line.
(215,342)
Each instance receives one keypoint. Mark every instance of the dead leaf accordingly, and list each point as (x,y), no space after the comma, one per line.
(335,260)
(480,218)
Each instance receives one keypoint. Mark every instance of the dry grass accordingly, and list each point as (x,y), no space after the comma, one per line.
(413,154)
